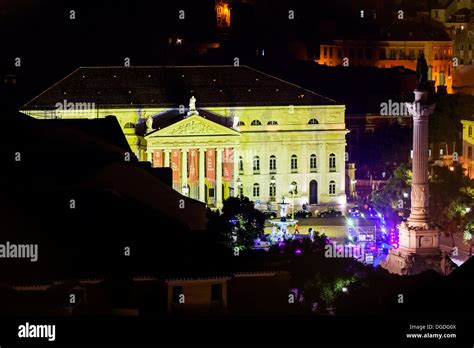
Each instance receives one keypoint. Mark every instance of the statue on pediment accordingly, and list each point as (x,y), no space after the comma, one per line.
(192,107)
(192,104)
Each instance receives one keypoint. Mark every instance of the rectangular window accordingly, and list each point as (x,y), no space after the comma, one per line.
(272,165)
(325,52)
(401,55)
(294,165)
(469,152)
(272,190)
(177,292)
(332,163)
(216,292)
(256,165)
(256,191)
(313,164)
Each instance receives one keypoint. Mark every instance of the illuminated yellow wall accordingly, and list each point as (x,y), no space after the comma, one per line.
(292,136)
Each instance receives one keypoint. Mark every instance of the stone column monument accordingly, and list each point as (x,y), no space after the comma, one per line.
(419,239)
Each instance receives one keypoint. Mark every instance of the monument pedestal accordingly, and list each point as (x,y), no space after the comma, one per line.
(419,251)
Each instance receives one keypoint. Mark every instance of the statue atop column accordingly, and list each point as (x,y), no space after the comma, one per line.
(422,73)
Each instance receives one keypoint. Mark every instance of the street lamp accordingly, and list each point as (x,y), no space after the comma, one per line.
(185,190)
(293,192)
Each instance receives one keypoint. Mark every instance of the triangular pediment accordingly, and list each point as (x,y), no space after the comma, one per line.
(193,126)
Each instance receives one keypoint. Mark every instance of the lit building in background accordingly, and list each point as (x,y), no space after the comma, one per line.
(399,45)
(467,159)
(458,19)
(223,14)
(224,130)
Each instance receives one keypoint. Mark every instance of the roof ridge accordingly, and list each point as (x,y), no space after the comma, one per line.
(292,84)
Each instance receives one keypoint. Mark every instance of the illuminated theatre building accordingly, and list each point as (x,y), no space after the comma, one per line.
(224,130)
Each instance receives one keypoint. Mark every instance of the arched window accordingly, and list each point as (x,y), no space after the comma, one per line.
(332,162)
(313,121)
(272,123)
(313,163)
(332,187)
(256,190)
(273,164)
(241,123)
(294,163)
(241,165)
(129,125)
(256,165)
(256,123)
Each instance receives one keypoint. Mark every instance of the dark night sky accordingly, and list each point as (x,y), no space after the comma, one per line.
(106,31)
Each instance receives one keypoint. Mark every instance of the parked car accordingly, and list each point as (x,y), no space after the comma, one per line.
(300,214)
(331,212)
(303,214)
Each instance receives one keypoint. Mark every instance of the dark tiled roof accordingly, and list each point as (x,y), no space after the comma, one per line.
(173,86)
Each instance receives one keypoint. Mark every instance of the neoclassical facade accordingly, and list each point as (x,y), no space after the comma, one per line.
(223,130)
